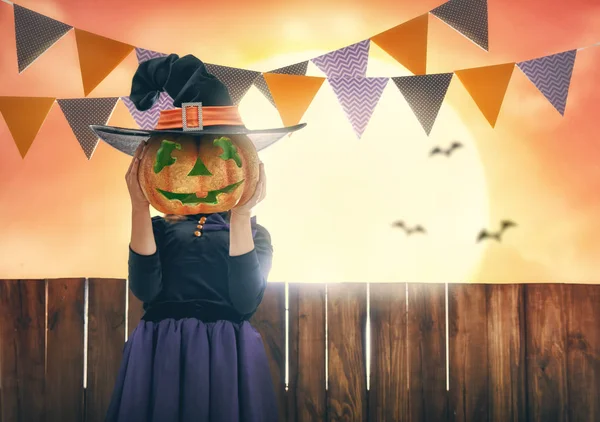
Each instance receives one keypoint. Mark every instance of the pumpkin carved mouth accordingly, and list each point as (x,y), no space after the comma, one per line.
(165,159)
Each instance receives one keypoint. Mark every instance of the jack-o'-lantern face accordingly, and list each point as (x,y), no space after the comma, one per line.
(184,174)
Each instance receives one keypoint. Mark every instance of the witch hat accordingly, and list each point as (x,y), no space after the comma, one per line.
(203,103)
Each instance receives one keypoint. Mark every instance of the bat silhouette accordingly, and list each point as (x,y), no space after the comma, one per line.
(504,225)
(439,150)
(409,230)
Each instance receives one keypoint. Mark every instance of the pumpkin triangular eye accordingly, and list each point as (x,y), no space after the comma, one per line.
(163,155)
(199,169)
(229,150)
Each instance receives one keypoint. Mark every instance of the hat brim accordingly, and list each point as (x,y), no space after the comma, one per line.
(127,140)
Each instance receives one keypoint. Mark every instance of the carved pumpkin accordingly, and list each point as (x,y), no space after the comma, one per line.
(184,174)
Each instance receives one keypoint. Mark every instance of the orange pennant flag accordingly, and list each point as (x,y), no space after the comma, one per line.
(98,56)
(292,94)
(407,43)
(487,86)
(24,117)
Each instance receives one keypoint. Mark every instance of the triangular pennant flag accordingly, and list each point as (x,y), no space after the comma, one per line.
(98,56)
(262,86)
(407,43)
(358,97)
(552,76)
(237,81)
(148,119)
(24,117)
(487,86)
(469,17)
(83,112)
(145,55)
(294,69)
(35,34)
(292,94)
(347,62)
(424,94)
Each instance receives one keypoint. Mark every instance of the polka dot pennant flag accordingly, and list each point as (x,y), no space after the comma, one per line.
(237,81)
(349,62)
(469,17)
(148,119)
(552,76)
(145,55)
(424,94)
(358,97)
(35,34)
(83,112)
(298,69)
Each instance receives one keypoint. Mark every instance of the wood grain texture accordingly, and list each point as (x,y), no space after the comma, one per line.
(22,347)
(388,393)
(346,318)
(583,352)
(269,321)
(546,322)
(135,311)
(106,337)
(468,353)
(428,399)
(307,400)
(64,370)
(506,353)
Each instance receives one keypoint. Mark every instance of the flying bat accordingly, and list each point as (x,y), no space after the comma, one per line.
(409,230)
(504,225)
(447,152)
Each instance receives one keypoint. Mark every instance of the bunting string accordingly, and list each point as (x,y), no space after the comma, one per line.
(288,88)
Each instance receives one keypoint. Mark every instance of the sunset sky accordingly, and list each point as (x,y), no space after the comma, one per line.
(330,218)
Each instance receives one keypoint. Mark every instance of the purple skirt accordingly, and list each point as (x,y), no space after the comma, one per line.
(186,370)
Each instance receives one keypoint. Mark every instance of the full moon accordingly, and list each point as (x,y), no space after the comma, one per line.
(333,198)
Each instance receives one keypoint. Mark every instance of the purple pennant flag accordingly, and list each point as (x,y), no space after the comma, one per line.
(35,34)
(148,119)
(552,76)
(83,112)
(424,94)
(347,62)
(358,97)
(469,17)
(145,55)
(237,81)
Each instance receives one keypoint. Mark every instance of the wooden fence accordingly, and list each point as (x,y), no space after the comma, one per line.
(514,352)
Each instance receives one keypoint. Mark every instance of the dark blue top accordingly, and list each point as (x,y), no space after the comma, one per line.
(189,269)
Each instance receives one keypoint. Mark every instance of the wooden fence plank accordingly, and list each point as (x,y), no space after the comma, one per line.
(307,399)
(135,311)
(388,393)
(506,353)
(468,355)
(428,398)
(546,353)
(269,320)
(106,337)
(64,369)
(583,352)
(346,318)
(22,347)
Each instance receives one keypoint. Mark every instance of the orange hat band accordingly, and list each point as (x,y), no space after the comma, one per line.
(193,117)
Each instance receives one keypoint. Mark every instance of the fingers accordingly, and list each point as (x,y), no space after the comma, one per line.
(136,156)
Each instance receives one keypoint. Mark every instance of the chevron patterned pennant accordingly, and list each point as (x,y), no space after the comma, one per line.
(145,55)
(349,62)
(552,76)
(358,97)
(148,119)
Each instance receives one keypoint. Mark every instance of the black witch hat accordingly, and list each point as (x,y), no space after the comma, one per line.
(203,103)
